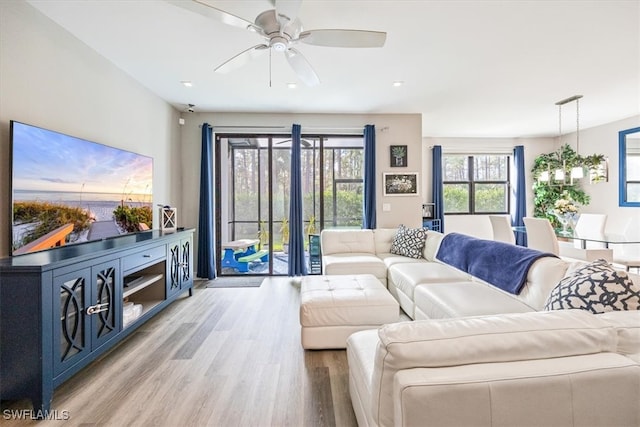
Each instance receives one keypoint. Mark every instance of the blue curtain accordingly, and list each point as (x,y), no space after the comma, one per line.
(369,208)
(206,239)
(438,187)
(519,194)
(297,265)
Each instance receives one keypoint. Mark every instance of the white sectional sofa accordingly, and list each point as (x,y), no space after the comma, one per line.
(560,368)
(427,288)
(478,355)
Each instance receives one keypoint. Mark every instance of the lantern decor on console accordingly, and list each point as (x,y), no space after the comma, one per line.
(168,219)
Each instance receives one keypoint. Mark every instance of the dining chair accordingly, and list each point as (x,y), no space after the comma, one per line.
(628,255)
(540,235)
(502,232)
(590,225)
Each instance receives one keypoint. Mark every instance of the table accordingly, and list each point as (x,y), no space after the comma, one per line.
(230,258)
(606,238)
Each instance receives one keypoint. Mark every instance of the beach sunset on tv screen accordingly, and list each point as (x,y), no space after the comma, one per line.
(69,190)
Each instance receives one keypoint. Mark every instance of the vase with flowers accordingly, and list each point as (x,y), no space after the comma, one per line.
(566,211)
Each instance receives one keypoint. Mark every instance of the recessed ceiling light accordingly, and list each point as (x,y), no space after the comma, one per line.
(187,83)
(398,83)
(292,85)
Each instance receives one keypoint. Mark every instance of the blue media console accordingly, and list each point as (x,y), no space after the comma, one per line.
(62,308)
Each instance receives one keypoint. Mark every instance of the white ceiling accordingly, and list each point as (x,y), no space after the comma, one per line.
(471,68)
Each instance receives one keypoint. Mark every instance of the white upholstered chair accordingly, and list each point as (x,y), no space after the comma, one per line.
(590,225)
(540,235)
(502,232)
(628,255)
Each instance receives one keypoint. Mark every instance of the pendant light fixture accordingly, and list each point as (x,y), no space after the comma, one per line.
(577,171)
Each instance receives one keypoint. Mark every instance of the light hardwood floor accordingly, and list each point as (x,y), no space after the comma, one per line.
(224,357)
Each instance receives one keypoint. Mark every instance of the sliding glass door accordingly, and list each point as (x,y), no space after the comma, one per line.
(252,198)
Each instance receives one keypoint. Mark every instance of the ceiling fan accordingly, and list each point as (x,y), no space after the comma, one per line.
(281,30)
(304,142)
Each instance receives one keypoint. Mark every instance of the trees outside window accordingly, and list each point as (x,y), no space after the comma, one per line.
(476,184)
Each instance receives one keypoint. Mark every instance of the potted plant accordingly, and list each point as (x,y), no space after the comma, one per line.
(263,235)
(546,193)
(310,230)
(284,229)
(311,226)
(399,153)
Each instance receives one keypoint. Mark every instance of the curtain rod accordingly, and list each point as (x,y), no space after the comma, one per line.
(484,150)
(247,127)
(307,129)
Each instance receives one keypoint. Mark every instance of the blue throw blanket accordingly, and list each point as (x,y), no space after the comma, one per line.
(502,264)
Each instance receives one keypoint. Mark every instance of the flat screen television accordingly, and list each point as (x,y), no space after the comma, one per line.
(66,190)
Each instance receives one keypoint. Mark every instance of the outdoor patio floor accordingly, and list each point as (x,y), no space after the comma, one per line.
(280,266)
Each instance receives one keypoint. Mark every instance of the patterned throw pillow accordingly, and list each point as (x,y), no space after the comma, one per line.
(596,287)
(409,242)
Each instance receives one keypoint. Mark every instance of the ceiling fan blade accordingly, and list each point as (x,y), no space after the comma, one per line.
(287,11)
(241,59)
(344,38)
(205,9)
(303,142)
(302,67)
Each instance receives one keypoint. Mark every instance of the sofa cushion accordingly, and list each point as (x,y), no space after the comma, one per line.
(408,242)
(406,276)
(431,245)
(391,259)
(354,263)
(484,339)
(383,238)
(596,287)
(459,299)
(358,299)
(337,241)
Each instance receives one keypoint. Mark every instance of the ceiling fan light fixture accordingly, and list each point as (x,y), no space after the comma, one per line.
(279,43)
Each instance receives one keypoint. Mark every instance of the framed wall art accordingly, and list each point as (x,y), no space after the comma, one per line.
(400,184)
(398,155)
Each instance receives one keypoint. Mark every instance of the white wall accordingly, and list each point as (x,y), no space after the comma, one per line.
(50,79)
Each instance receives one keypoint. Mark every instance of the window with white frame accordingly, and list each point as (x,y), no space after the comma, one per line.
(476,183)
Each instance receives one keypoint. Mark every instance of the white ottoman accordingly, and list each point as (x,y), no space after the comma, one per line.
(334,307)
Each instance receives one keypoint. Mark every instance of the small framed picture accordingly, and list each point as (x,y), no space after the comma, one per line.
(400,184)
(427,210)
(398,156)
